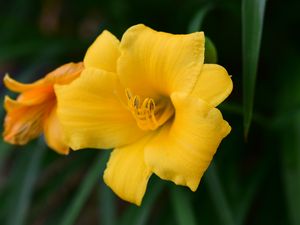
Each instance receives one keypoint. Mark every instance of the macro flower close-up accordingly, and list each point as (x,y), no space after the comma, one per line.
(149,112)
(151,98)
(34,111)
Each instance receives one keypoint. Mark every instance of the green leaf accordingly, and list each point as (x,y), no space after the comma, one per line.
(211,55)
(291,167)
(107,205)
(196,25)
(85,189)
(197,21)
(139,215)
(254,182)
(219,199)
(4,152)
(252,25)
(21,196)
(183,208)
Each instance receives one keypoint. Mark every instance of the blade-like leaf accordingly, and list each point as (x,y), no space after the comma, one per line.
(139,215)
(211,55)
(197,21)
(22,194)
(183,208)
(252,25)
(107,205)
(85,189)
(219,199)
(253,185)
(291,167)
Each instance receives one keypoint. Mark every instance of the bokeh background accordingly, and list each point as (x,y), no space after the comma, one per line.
(252,180)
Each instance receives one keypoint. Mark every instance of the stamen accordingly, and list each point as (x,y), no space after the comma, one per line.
(147,115)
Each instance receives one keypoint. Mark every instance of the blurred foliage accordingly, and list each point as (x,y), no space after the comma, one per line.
(250,182)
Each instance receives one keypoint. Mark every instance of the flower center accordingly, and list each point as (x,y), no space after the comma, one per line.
(148,114)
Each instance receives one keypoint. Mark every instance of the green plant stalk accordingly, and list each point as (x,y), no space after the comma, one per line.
(216,191)
(252,26)
(85,189)
(183,208)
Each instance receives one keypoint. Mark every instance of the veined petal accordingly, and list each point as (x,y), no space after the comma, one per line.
(91,115)
(213,85)
(103,53)
(38,95)
(64,74)
(184,148)
(23,123)
(16,86)
(126,173)
(157,63)
(10,104)
(53,133)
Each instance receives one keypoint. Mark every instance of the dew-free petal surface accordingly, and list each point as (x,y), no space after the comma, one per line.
(156,63)
(53,133)
(184,148)
(126,173)
(103,53)
(92,115)
(213,85)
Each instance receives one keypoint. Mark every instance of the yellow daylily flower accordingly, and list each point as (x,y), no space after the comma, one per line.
(152,99)
(34,111)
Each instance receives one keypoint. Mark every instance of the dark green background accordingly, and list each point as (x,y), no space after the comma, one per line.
(251,181)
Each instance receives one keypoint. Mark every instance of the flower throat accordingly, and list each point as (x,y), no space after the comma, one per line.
(148,114)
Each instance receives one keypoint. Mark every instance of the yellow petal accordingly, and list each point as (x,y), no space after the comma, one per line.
(184,148)
(103,53)
(213,85)
(126,173)
(16,86)
(157,63)
(91,114)
(53,133)
(64,74)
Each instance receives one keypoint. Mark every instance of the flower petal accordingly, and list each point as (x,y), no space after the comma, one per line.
(16,86)
(22,123)
(10,104)
(91,114)
(157,63)
(64,74)
(53,133)
(126,173)
(103,53)
(213,85)
(38,95)
(184,148)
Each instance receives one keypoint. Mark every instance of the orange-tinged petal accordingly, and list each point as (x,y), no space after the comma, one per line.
(53,133)
(103,53)
(64,74)
(38,95)
(91,114)
(16,86)
(156,63)
(126,173)
(213,85)
(10,104)
(184,148)
(40,90)
(35,106)
(23,123)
